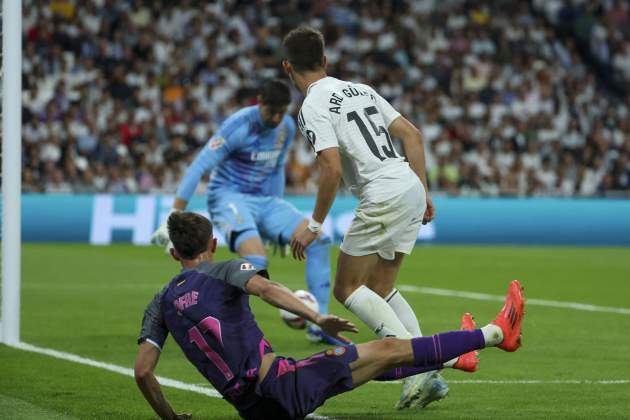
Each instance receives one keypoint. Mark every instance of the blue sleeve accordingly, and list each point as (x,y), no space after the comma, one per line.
(277,179)
(219,147)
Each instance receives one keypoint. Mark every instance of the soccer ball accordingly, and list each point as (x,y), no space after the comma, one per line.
(296,321)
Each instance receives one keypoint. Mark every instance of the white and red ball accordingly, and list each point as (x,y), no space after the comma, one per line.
(296,321)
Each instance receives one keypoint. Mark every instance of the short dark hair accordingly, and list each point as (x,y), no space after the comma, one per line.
(190,233)
(275,92)
(304,48)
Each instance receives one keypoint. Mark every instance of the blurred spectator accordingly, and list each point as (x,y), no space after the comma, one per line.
(119,96)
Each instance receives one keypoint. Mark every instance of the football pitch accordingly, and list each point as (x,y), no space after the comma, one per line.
(88,301)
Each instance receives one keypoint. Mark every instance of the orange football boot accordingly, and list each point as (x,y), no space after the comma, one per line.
(510,317)
(467,362)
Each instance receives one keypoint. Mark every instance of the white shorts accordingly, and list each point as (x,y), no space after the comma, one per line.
(388,227)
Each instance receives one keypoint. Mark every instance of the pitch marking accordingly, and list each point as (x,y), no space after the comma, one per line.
(529,382)
(172,383)
(537,302)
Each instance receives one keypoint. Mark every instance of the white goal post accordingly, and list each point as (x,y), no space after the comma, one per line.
(11,168)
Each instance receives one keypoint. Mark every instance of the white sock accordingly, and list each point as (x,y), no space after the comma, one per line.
(375,313)
(492,335)
(403,311)
(451,362)
(407,316)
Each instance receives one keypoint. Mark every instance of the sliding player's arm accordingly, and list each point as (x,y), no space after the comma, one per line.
(413,143)
(214,152)
(146,360)
(279,296)
(317,127)
(152,337)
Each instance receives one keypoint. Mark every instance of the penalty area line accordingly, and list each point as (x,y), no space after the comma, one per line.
(536,302)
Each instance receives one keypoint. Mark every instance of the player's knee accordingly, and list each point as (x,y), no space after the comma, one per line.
(345,285)
(343,291)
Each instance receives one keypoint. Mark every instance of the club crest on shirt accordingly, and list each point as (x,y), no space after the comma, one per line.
(282,136)
(247,267)
(216,142)
(337,351)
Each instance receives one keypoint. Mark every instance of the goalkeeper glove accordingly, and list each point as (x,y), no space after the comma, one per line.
(160,236)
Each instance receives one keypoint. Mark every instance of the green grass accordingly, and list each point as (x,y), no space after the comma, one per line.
(89,301)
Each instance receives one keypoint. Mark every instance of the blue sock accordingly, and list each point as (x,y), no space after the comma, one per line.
(258,261)
(318,271)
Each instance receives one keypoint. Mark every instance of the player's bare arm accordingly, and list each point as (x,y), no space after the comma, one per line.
(279,296)
(146,360)
(329,165)
(413,143)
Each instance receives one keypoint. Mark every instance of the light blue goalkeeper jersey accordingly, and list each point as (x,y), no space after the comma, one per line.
(244,156)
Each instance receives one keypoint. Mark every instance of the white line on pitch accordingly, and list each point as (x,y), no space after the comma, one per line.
(531,382)
(172,383)
(114,368)
(538,302)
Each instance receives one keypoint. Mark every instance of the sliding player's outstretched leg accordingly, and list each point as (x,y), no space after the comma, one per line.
(391,358)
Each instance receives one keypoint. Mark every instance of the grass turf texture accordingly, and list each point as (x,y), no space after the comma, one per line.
(89,301)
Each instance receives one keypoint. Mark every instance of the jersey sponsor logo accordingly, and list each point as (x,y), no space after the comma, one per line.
(216,142)
(247,267)
(270,155)
(337,351)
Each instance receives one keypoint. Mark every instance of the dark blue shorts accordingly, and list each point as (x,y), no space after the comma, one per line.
(294,388)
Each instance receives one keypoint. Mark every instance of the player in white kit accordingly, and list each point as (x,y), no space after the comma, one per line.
(350,128)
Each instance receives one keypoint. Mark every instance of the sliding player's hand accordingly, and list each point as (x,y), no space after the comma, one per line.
(184,416)
(429,213)
(333,325)
(300,242)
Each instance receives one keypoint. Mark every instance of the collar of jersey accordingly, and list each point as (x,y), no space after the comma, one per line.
(186,270)
(308,89)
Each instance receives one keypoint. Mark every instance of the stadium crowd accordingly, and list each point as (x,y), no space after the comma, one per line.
(119,95)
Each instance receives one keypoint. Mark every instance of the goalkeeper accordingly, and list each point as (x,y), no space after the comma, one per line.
(246,158)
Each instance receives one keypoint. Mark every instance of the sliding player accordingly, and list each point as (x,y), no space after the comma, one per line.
(350,128)
(206,310)
(248,156)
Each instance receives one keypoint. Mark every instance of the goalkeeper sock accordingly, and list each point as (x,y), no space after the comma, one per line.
(318,271)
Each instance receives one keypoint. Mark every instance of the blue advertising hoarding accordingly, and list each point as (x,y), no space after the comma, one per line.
(105,218)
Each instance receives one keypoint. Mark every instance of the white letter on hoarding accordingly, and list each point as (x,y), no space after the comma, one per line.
(104,220)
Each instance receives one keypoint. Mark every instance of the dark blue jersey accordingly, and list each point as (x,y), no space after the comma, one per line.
(207,312)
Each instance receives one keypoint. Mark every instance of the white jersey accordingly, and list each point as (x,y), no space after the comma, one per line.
(354,118)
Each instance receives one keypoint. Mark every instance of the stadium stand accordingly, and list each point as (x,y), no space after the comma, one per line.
(118,95)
